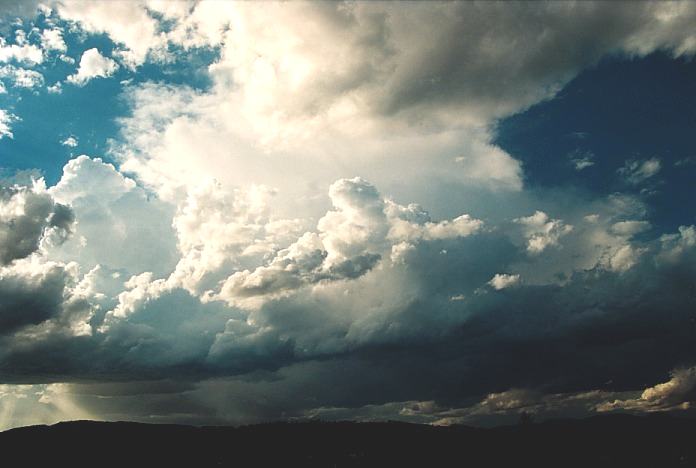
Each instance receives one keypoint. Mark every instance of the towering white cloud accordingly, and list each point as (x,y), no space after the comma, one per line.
(350,240)
(112,211)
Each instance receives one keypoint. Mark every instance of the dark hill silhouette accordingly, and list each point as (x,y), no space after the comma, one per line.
(606,441)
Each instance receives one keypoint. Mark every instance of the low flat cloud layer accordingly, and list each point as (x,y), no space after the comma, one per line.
(326,227)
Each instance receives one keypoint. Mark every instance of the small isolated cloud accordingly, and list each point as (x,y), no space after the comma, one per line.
(56,88)
(635,172)
(93,65)
(502,281)
(5,120)
(582,163)
(581,160)
(685,162)
(541,231)
(71,141)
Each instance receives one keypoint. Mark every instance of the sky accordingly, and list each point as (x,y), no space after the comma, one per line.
(445,213)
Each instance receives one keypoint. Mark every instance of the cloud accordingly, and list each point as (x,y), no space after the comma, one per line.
(630,228)
(677,393)
(635,172)
(220,230)
(208,252)
(624,258)
(29,216)
(71,141)
(6,119)
(52,40)
(398,76)
(92,65)
(506,407)
(112,210)
(28,54)
(191,149)
(31,294)
(582,160)
(128,23)
(412,223)
(86,177)
(542,232)
(502,281)
(351,240)
(395,63)
(55,88)
(370,272)
(677,245)
(21,77)
(19,8)
(321,322)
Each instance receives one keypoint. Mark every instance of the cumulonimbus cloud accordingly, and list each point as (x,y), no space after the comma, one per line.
(231,236)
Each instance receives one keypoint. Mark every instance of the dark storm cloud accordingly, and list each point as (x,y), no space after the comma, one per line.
(30,299)
(604,332)
(441,333)
(26,217)
(30,293)
(628,328)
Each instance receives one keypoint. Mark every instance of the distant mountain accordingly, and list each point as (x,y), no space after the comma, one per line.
(606,441)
